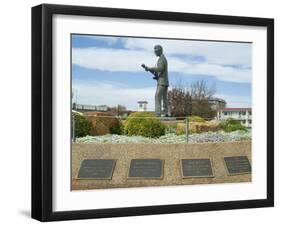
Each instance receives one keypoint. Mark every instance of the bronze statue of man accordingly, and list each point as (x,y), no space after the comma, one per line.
(160,72)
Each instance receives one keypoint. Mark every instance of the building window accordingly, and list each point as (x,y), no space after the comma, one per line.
(244,121)
(239,114)
(250,113)
(250,121)
(243,113)
(225,113)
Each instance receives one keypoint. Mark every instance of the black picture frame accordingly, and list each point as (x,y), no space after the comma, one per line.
(42,111)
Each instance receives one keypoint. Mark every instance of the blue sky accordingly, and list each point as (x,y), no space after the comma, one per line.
(106,69)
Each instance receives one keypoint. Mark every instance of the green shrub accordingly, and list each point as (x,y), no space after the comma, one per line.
(144,124)
(82,126)
(195,118)
(230,125)
(117,128)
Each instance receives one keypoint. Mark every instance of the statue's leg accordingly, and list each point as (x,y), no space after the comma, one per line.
(158,101)
(165,100)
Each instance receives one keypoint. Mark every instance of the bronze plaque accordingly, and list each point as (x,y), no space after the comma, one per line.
(237,165)
(96,169)
(146,169)
(196,168)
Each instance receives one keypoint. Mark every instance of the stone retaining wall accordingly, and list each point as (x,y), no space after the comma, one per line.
(170,153)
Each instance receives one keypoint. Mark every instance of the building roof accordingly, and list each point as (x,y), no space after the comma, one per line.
(236,109)
(217,99)
(212,99)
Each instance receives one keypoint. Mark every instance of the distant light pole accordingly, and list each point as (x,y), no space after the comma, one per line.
(75,95)
(74,106)
(186,129)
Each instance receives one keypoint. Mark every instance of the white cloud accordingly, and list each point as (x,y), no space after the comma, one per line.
(109,59)
(111,94)
(216,60)
(236,100)
(129,60)
(222,53)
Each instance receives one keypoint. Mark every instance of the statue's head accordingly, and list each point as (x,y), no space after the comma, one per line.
(158,50)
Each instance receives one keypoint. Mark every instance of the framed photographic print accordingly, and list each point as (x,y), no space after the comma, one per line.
(145,112)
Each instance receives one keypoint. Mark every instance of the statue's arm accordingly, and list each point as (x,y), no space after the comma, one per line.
(152,72)
(160,66)
(149,69)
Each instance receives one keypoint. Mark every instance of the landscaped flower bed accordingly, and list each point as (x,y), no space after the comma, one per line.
(169,138)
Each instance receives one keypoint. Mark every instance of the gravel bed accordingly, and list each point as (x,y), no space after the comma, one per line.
(219,136)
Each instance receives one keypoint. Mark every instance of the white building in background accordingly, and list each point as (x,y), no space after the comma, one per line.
(244,115)
(217,103)
(85,107)
(142,105)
